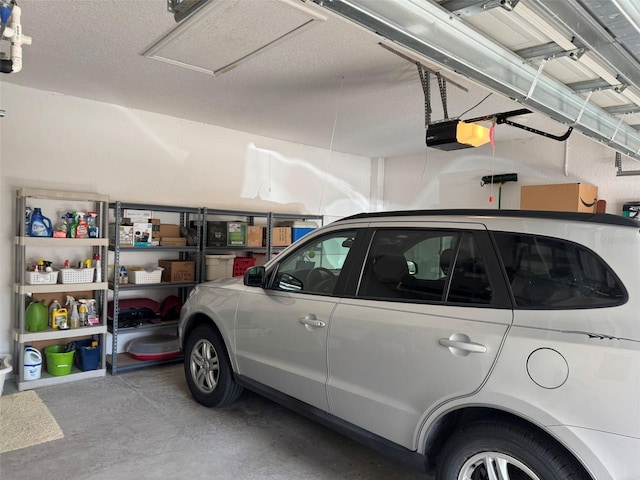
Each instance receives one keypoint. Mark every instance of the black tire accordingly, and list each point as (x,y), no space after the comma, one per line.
(207,368)
(522,452)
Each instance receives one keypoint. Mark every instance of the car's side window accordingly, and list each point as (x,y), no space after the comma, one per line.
(551,273)
(469,282)
(316,266)
(425,265)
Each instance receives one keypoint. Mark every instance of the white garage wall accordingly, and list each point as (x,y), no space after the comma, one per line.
(60,142)
(437,179)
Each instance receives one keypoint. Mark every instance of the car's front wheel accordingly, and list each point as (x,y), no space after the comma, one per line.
(503,451)
(207,368)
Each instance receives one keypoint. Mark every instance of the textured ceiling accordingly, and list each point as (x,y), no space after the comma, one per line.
(330,86)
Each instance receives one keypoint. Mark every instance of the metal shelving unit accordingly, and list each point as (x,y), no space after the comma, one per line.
(121,362)
(275,217)
(24,245)
(246,216)
(270,218)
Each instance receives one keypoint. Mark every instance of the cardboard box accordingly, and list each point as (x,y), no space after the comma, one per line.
(169,230)
(236,234)
(173,241)
(280,236)
(563,197)
(137,216)
(61,297)
(142,233)
(125,234)
(216,234)
(155,229)
(178,270)
(254,236)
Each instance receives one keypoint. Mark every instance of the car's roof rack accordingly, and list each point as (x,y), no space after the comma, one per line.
(604,218)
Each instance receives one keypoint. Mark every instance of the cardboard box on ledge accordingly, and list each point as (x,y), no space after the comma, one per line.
(254,236)
(562,197)
(178,270)
(173,242)
(280,236)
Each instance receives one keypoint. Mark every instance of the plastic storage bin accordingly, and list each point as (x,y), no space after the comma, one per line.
(300,229)
(240,265)
(76,275)
(151,275)
(42,278)
(59,361)
(86,357)
(219,266)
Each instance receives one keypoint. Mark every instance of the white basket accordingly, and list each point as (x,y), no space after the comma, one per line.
(151,275)
(76,275)
(42,278)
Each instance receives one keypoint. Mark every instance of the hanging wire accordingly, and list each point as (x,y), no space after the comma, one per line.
(333,134)
(475,106)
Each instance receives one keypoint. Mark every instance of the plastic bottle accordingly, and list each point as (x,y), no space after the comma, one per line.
(82,312)
(72,225)
(124,278)
(81,228)
(62,228)
(98,266)
(75,316)
(39,226)
(92,222)
(53,306)
(60,319)
(27,220)
(92,312)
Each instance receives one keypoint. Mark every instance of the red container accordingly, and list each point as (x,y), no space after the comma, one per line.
(240,265)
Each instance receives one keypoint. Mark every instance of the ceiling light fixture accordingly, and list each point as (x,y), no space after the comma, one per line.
(224,34)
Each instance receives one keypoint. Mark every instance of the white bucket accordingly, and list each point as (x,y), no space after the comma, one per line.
(32,363)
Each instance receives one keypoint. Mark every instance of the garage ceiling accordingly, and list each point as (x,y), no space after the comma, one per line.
(314,72)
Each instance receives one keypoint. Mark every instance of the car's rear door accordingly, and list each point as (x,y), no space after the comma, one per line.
(409,339)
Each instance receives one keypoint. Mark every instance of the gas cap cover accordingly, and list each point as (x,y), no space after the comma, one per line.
(547,368)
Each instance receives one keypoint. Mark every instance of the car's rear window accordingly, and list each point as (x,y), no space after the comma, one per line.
(424,265)
(551,273)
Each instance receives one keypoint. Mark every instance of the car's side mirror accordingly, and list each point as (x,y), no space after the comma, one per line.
(254,276)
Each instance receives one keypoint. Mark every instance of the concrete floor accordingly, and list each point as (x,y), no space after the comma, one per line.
(144,425)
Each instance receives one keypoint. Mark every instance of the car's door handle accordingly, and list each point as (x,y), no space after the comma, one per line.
(312,321)
(461,344)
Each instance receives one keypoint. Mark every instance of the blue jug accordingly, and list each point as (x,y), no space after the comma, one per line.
(40,226)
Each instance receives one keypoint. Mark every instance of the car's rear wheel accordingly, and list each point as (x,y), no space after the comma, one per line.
(503,451)
(207,368)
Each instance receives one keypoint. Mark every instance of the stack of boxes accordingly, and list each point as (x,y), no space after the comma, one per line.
(140,229)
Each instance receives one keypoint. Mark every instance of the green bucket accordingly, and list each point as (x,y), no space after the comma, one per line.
(59,361)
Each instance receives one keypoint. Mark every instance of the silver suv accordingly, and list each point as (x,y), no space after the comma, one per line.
(476,344)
